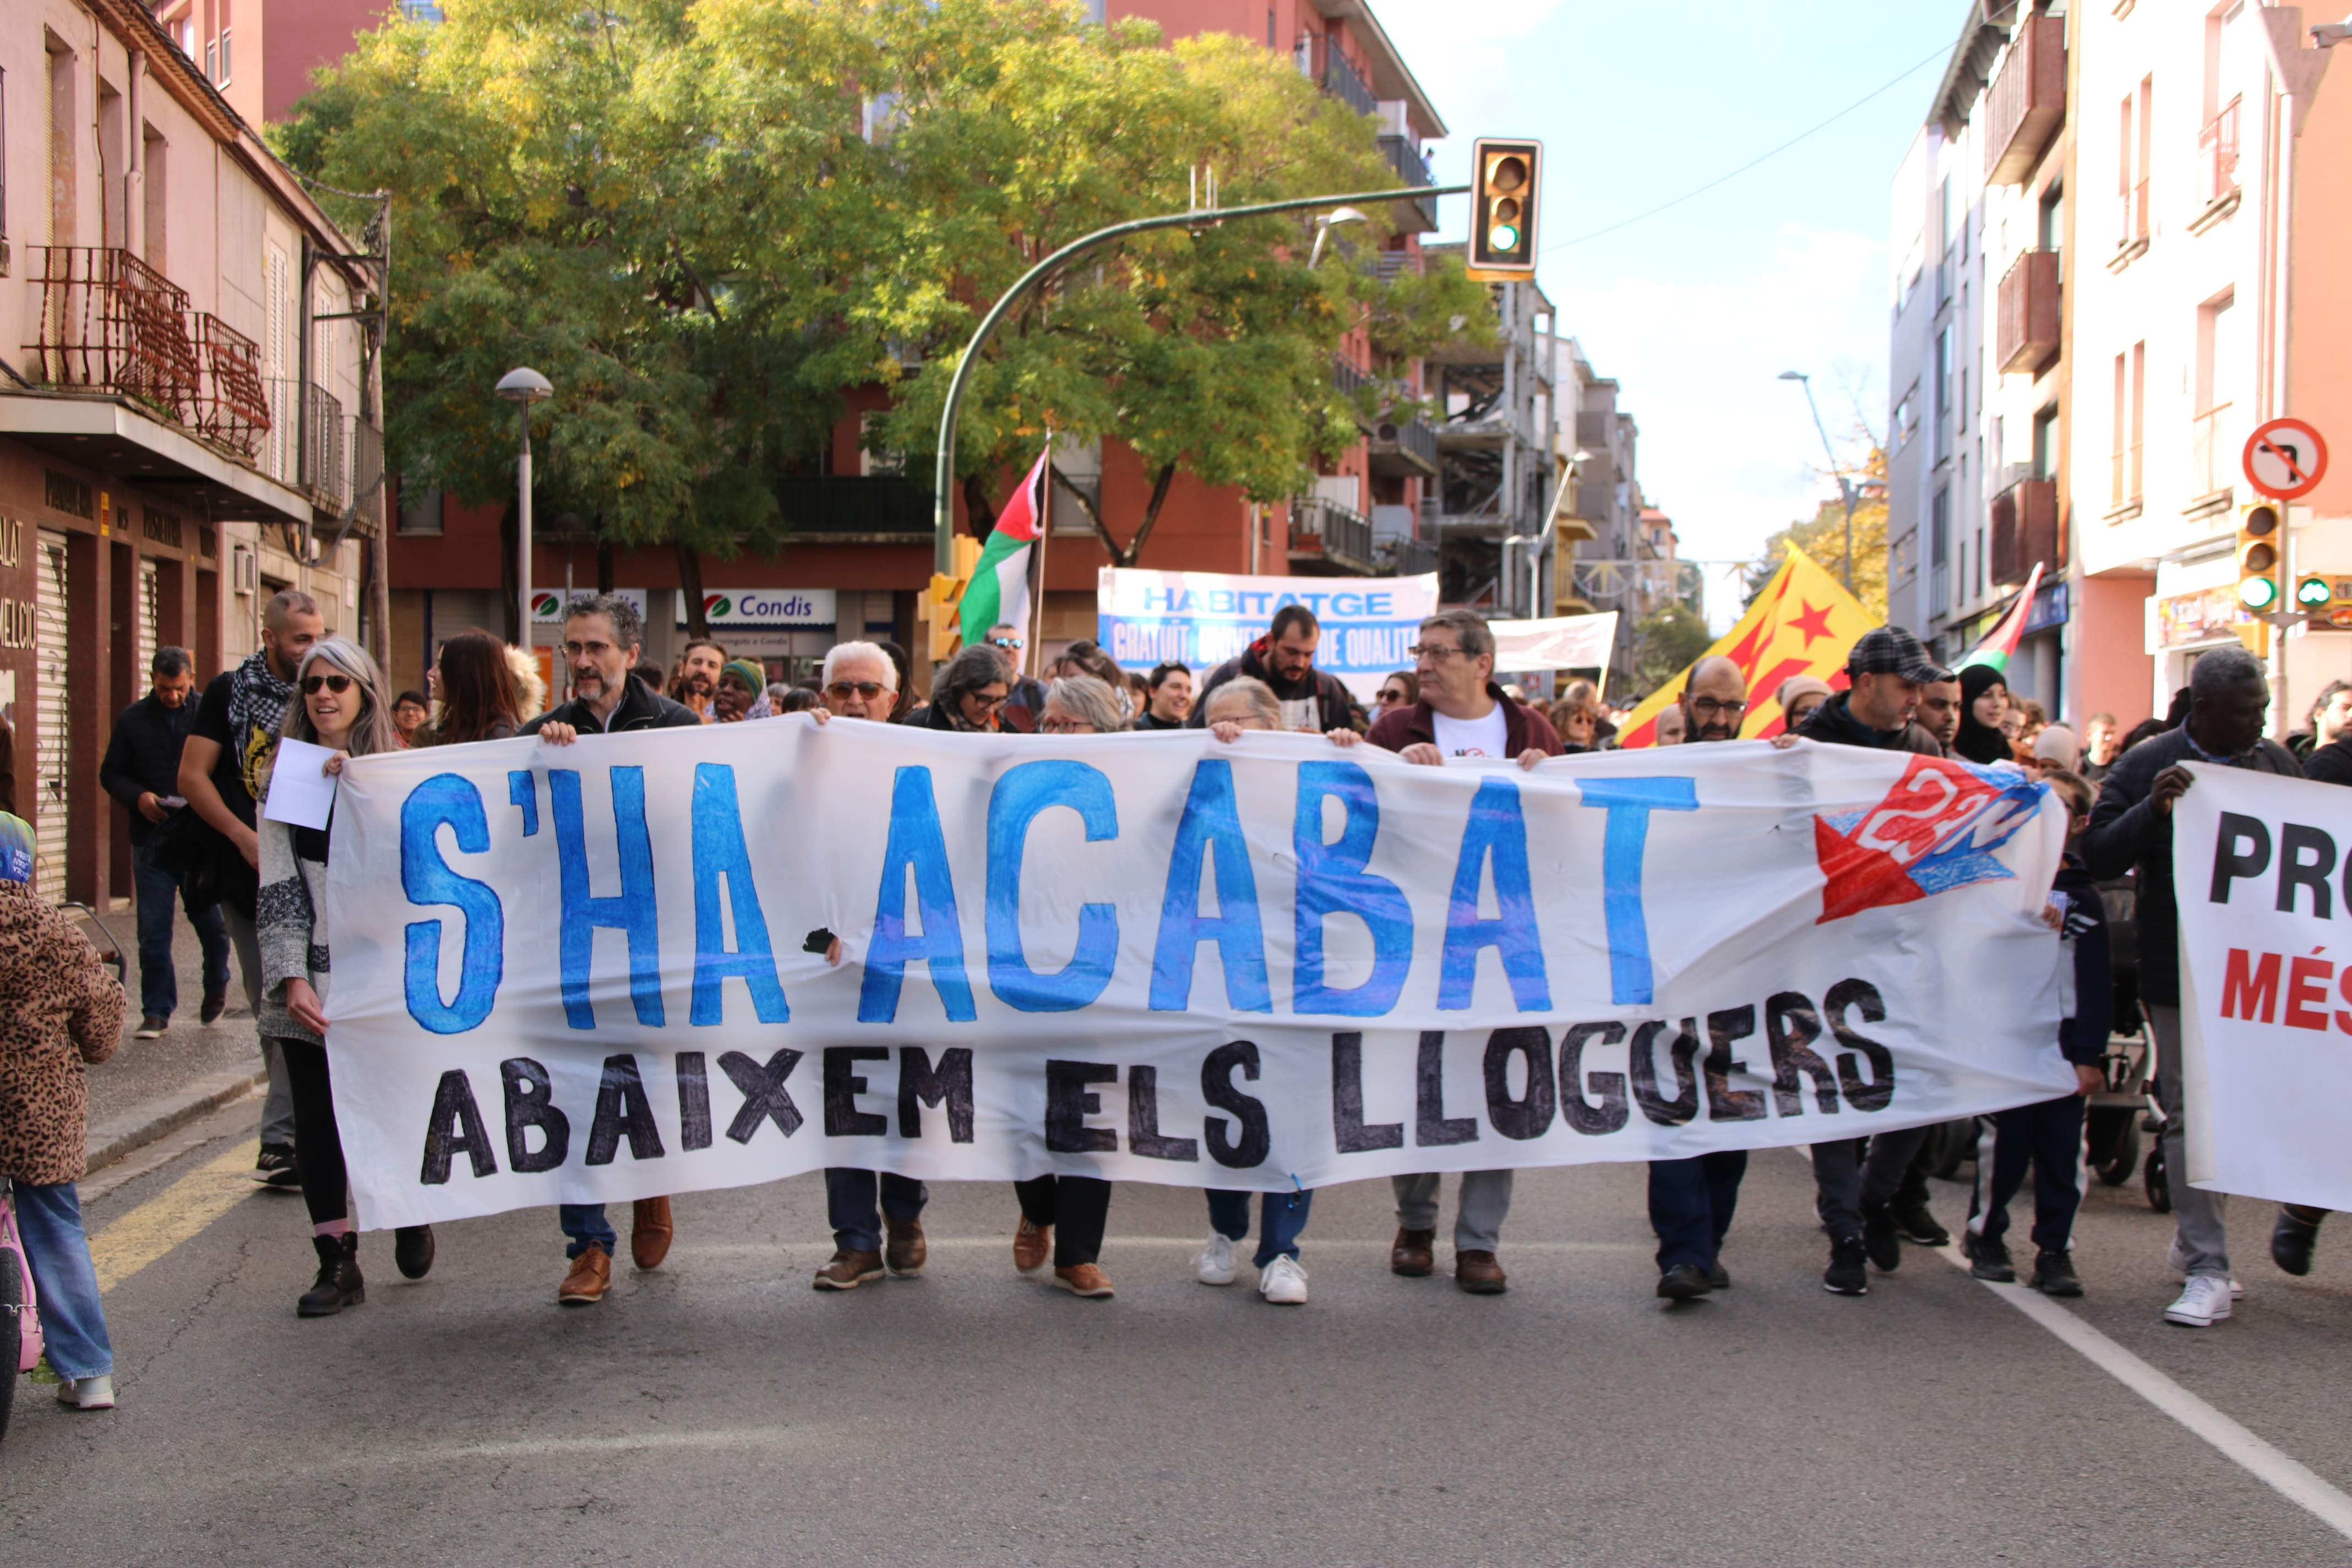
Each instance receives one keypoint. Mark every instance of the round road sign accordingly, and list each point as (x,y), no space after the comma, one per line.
(2285,459)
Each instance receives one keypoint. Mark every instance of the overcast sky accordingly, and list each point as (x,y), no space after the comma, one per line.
(1697,310)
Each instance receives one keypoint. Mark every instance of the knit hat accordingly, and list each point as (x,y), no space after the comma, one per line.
(754,678)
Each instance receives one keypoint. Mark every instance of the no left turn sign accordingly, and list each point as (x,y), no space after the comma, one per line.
(2285,459)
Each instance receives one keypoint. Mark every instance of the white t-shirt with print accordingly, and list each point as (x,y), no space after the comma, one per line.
(1487,737)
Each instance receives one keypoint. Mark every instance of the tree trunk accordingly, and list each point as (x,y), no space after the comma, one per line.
(977,510)
(1160,482)
(689,584)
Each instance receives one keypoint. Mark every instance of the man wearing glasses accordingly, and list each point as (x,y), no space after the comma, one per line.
(860,682)
(1461,714)
(602,634)
(1691,1199)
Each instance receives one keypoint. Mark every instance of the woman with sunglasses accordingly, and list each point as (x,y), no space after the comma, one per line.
(967,696)
(339,703)
(1399,689)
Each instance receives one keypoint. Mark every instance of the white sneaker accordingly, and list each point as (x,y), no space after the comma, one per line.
(1283,1283)
(88,1393)
(2177,1262)
(2204,1301)
(1216,1264)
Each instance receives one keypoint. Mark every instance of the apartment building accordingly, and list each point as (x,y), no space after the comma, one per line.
(862,541)
(2112,237)
(185,402)
(1614,566)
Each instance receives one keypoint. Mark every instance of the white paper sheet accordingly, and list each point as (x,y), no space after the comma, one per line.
(301,791)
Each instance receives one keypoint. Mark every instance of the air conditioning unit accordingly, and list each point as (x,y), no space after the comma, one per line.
(245,571)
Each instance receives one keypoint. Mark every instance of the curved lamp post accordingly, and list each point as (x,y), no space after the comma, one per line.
(524,386)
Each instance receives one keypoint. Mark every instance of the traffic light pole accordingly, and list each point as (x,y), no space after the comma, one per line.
(943,492)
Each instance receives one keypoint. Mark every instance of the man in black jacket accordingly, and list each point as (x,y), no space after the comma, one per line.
(141,770)
(602,634)
(1312,700)
(1857,1178)
(2131,830)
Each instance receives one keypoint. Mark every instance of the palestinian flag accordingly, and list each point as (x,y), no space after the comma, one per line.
(2001,641)
(999,592)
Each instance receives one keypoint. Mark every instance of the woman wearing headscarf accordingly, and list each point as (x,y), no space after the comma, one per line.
(741,692)
(59,1010)
(1984,699)
(339,703)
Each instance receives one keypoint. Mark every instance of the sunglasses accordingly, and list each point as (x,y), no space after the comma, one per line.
(338,684)
(1006,642)
(868,689)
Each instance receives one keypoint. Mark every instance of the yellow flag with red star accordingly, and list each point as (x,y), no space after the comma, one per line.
(1804,623)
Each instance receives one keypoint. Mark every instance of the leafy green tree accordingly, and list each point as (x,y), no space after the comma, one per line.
(1666,642)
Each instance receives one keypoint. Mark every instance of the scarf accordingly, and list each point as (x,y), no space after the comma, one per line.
(258,701)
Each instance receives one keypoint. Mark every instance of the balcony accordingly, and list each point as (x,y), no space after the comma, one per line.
(2025,531)
(2026,333)
(325,476)
(1415,557)
(1418,215)
(845,509)
(230,406)
(109,322)
(2217,168)
(2213,457)
(1348,377)
(1406,446)
(1324,531)
(1333,73)
(2027,103)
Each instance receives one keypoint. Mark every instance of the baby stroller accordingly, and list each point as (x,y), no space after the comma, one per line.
(2115,1118)
(20,1322)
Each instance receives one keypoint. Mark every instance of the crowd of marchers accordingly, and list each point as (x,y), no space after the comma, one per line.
(190,769)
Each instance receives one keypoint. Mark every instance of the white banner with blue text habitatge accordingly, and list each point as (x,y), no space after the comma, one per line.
(600,973)
(1146,618)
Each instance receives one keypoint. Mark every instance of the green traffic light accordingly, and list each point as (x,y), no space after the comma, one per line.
(2257,593)
(2312,592)
(1503,236)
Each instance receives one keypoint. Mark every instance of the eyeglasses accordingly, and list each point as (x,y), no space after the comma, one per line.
(338,684)
(1005,642)
(1709,708)
(1066,727)
(1431,651)
(868,689)
(985,699)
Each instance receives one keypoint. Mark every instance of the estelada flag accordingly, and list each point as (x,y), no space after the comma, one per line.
(1804,623)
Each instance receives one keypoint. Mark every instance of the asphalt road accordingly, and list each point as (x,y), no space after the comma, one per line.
(720,1411)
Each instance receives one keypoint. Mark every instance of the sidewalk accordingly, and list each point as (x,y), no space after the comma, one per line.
(150,1086)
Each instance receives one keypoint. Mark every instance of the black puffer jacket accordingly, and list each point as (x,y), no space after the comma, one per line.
(1333,709)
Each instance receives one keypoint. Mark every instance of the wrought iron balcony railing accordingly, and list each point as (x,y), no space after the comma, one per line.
(110,322)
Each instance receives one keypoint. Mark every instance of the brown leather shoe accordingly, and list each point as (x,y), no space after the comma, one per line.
(1479,1273)
(1083,1279)
(848,1270)
(649,1232)
(1031,1244)
(591,1277)
(903,1247)
(1410,1255)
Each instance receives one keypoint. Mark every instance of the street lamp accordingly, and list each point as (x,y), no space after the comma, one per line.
(1845,489)
(523,387)
(1324,224)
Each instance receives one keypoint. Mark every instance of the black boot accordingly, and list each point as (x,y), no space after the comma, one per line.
(412,1249)
(339,1284)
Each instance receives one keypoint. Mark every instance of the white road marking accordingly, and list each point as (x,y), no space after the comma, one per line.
(2287,1477)
(541,1448)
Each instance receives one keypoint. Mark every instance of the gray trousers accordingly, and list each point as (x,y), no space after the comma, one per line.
(278,1108)
(2196,1212)
(1479,1214)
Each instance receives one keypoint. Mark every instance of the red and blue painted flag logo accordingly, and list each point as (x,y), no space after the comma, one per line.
(1939,828)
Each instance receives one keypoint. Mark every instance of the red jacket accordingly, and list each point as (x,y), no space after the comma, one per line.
(1523,727)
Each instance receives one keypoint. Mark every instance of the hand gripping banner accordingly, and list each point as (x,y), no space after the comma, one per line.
(600,972)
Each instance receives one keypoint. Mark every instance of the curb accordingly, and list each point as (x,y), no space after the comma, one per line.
(142,1125)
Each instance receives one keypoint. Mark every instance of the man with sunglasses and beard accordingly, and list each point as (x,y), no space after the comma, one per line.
(602,634)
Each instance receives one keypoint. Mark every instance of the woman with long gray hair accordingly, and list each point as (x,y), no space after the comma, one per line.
(339,703)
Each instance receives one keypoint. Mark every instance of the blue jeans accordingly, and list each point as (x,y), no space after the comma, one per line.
(1691,1202)
(1281,1219)
(851,1201)
(159,983)
(586,1226)
(72,1323)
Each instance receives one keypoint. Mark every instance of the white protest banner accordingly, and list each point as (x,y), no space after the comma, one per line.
(1555,642)
(585,972)
(2262,880)
(1202,618)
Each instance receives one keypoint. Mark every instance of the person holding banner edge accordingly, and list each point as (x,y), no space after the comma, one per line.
(1460,712)
(2131,830)
(338,704)
(602,635)
(1284,660)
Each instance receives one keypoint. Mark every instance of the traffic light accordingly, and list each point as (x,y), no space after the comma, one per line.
(2258,557)
(2325,600)
(1507,177)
